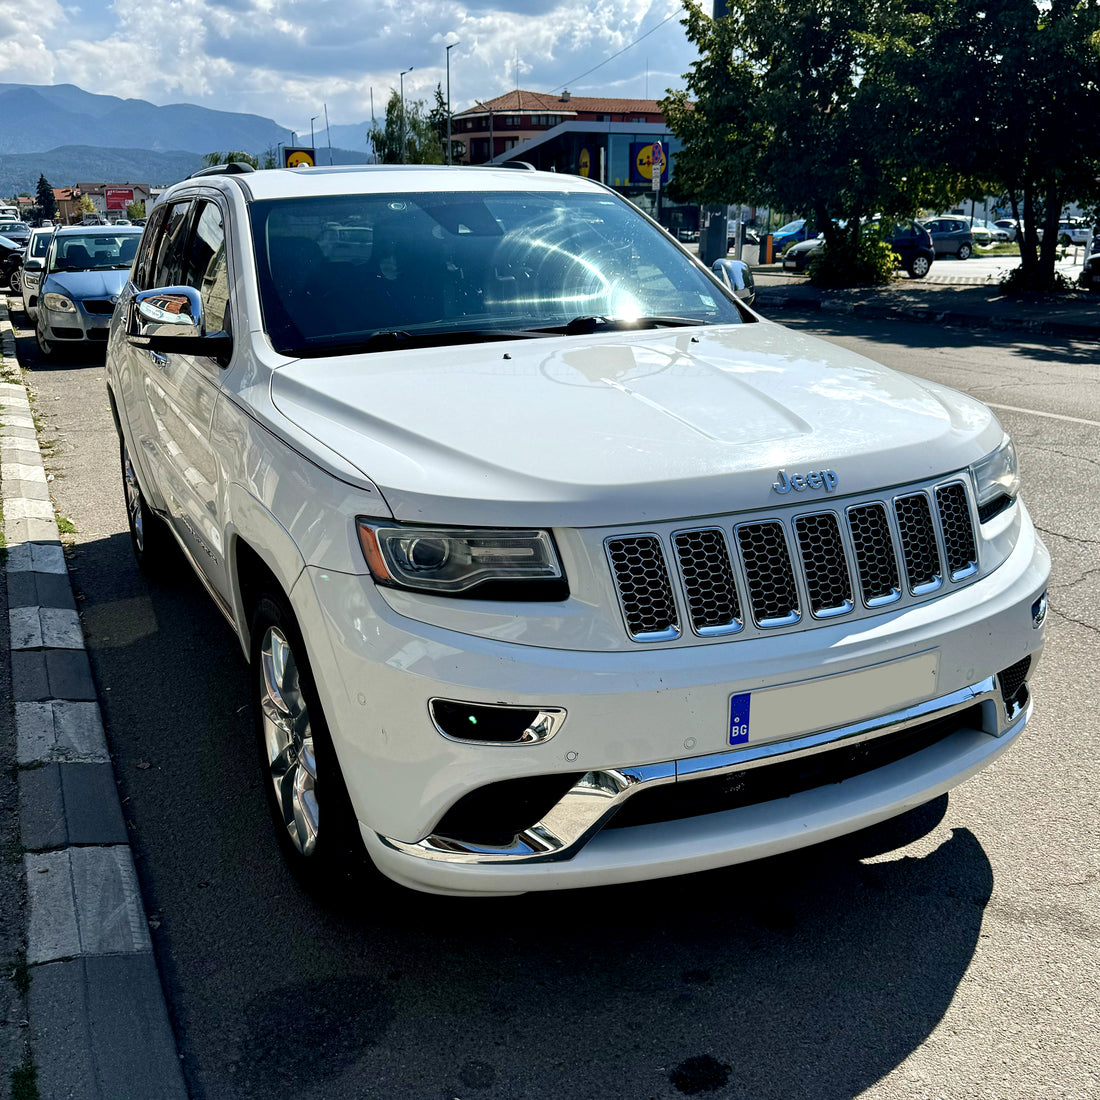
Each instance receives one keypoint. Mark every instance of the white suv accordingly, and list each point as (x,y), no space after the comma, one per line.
(554,563)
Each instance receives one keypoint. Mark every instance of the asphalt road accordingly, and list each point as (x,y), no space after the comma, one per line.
(952,953)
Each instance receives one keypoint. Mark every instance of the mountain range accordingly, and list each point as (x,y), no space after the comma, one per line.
(70,136)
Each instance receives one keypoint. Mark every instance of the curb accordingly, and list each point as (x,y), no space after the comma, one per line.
(99,1022)
(1036,326)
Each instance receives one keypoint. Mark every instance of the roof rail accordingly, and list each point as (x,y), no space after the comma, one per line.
(522,165)
(233,168)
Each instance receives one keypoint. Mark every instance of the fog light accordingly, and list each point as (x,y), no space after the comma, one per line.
(497,724)
(1039,611)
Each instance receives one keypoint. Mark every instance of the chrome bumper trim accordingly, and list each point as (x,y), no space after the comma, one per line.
(591,802)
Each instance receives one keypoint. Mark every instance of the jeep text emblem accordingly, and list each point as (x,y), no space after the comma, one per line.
(815,479)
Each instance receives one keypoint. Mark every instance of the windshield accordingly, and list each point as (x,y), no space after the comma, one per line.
(92,251)
(40,242)
(337,271)
(790,227)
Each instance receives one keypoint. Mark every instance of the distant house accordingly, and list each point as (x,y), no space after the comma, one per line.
(611,140)
(111,199)
(68,205)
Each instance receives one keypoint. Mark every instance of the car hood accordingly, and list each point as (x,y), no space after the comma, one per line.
(87,284)
(626,428)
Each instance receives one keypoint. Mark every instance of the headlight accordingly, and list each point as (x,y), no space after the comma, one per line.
(58,303)
(30,280)
(477,562)
(997,479)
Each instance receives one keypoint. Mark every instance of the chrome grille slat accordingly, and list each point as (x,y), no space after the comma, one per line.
(823,564)
(879,582)
(958,530)
(773,592)
(705,568)
(758,575)
(645,591)
(918,543)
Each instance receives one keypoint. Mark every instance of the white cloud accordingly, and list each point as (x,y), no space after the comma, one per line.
(285,58)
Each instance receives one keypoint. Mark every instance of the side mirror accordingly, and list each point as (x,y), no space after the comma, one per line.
(171,319)
(737,277)
(33,264)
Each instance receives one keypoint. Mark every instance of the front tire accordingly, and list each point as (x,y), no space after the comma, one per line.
(46,350)
(306,795)
(920,267)
(149,538)
(964,251)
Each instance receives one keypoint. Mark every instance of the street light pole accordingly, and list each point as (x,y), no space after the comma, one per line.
(448,52)
(311,121)
(402,78)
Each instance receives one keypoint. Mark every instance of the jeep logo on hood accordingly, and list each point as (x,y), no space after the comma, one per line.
(800,483)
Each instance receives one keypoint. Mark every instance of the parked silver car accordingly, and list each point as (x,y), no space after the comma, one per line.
(34,261)
(86,269)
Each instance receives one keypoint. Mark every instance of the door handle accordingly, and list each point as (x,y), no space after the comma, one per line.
(159,360)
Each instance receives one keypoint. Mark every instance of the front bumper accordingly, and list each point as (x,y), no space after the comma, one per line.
(79,326)
(639,720)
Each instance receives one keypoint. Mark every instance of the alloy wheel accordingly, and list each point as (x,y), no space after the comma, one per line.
(288,741)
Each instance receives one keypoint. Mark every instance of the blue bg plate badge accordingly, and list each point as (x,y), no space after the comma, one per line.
(739,719)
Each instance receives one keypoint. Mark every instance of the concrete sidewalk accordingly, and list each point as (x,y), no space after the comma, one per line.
(943,303)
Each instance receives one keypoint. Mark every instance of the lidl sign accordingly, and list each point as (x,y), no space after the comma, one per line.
(644,159)
(296,158)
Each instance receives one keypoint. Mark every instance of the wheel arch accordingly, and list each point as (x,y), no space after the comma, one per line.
(265,557)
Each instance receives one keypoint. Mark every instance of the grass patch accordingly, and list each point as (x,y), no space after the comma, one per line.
(65,525)
(1001,248)
(24,1080)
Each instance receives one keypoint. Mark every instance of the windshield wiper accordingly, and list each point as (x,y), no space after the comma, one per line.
(392,339)
(581,326)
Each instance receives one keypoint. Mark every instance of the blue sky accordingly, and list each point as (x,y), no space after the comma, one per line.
(285,59)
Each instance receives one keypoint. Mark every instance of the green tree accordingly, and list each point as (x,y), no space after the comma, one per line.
(47,204)
(413,129)
(1028,114)
(135,210)
(85,205)
(210,160)
(811,106)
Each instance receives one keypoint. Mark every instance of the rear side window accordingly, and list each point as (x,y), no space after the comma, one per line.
(143,269)
(205,265)
(170,256)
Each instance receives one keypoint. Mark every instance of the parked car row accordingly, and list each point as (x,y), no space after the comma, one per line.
(910,240)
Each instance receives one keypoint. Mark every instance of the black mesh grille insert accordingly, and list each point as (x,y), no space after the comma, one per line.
(823,562)
(875,560)
(708,579)
(772,592)
(641,577)
(958,531)
(693,797)
(918,540)
(1012,679)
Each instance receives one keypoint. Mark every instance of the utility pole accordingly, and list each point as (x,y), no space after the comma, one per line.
(448,53)
(404,150)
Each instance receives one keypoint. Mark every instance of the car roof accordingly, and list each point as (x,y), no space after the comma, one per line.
(95,230)
(278,183)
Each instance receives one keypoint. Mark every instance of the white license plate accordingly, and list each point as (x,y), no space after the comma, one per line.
(829,702)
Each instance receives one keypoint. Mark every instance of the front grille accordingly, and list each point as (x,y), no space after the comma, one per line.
(765,574)
(732,790)
(98,305)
